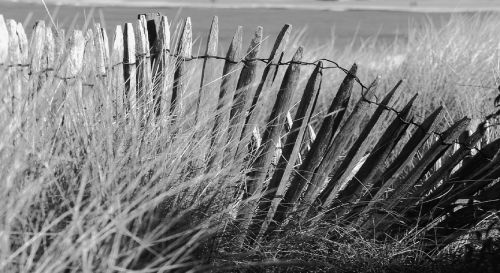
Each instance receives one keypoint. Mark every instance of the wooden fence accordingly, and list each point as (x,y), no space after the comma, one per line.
(296,175)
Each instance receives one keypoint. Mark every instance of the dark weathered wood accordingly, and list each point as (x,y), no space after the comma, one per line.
(245,91)
(183,52)
(460,221)
(275,126)
(129,68)
(363,179)
(267,80)
(117,75)
(403,186)
(338,145)
(208,86)
(441,197)
(395,169)
(290,151)
(315,155)
(447,166)
(356,151)
(227,88)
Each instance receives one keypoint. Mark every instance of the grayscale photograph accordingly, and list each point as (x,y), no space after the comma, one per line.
(249,136)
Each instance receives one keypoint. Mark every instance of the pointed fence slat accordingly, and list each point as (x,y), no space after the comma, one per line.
(357,150)
(362,181)
(290,152)
(100,51)
(183,52)
(117,74)
(4,42)
(266,82)
(129,68)
(243,96)
(143,64)
(37,54)
(337,146)
(275,126)
(227,88)
(208,86)
(160,58)
(318,147)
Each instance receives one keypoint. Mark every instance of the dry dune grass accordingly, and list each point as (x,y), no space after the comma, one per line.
(87,191)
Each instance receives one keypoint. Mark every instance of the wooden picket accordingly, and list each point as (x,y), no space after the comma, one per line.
(339,176)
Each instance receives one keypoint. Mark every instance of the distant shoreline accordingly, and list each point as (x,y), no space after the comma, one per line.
(342,6)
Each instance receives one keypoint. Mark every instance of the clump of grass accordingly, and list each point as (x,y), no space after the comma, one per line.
(87,191)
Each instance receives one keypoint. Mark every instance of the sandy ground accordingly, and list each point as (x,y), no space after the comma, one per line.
(339,5)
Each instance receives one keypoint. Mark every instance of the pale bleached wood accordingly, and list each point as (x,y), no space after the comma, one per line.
(183,52)
(4,41)
(160,53)
(243,96)
(208,82)
(266,82)
(129,68)
(100,51)
(143,65)
(117,75)
(227,88)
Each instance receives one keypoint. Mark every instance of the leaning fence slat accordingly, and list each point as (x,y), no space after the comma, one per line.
(227,88)
(143,64)
(160,53)
(427,160)
(337,146)
(448,165)
(395,169)
(275,125)
(245,90)
(37,44)
(318,147)
(363,179)
(208,86)
(472,170)
(183,52)
(100,51)
(266,82)
(37,55)
(117,74)
(129,68)
(356,152)
(4,42)
(23,43)
(290,151)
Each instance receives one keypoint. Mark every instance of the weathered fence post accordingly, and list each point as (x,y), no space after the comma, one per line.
(129,69)
(227,88)
(208,85)
(143,66)
(242,97)
(315,155)
(183,53)
(275,125)
(117,73)
(290,152)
